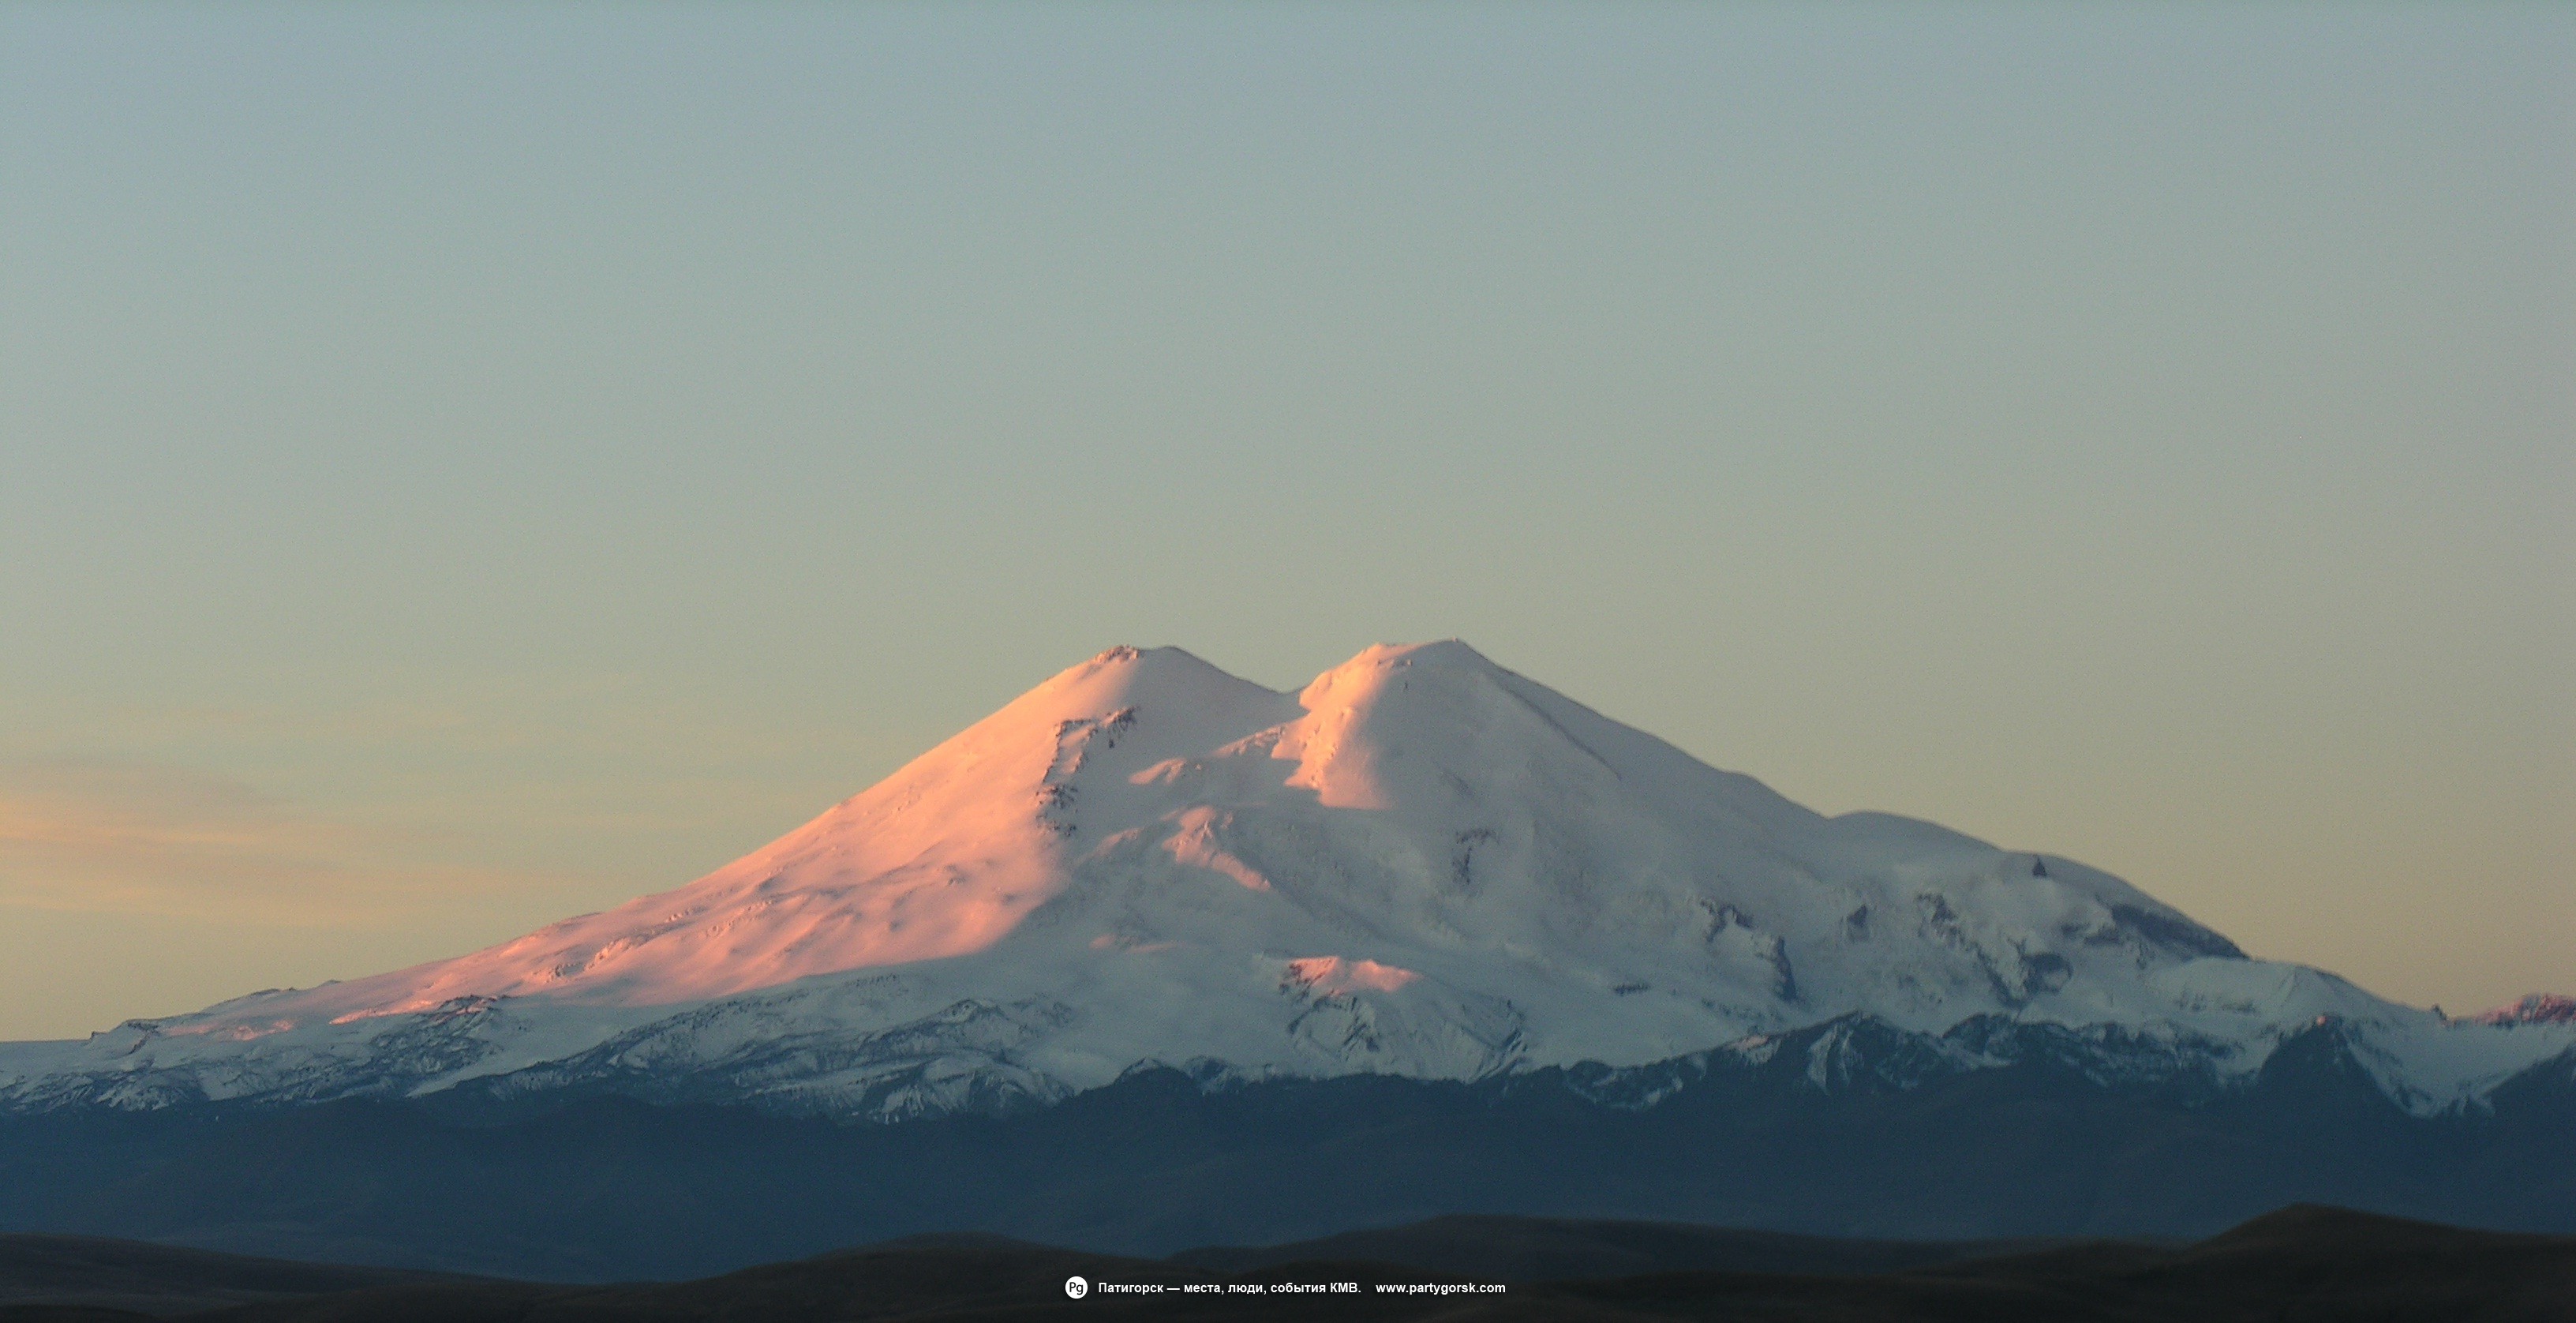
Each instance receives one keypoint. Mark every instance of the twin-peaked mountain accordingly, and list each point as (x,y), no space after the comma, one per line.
(1421,865)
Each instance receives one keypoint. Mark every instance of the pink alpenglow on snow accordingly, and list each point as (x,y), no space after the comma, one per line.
(1419,864)
(1332,974)
(941,859)
(1195,843)
(2538,1008)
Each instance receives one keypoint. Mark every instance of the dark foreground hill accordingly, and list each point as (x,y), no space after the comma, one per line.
(1547,1249)
(605,1188)
(2298,1264)
(131,1276)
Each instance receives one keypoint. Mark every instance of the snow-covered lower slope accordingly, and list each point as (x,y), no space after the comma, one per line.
(1421,865)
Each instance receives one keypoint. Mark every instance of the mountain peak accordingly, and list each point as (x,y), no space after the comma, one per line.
(2538,1008)
(1453,654)
(1421,863)
(1126,674)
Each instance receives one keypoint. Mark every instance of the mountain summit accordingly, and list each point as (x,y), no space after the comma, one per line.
(1421,864)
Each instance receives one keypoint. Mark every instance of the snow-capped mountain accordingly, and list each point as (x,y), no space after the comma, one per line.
(1420,865)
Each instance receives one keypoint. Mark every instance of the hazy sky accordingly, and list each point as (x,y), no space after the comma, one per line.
(465,465)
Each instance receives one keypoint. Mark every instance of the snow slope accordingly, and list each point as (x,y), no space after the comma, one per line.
(1422,864)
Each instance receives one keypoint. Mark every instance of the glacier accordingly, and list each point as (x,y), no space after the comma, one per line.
(1421,865)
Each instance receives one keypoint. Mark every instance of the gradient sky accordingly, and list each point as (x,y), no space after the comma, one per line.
(466,465)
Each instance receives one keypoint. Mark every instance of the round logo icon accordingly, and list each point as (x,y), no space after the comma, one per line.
(1076,1288)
